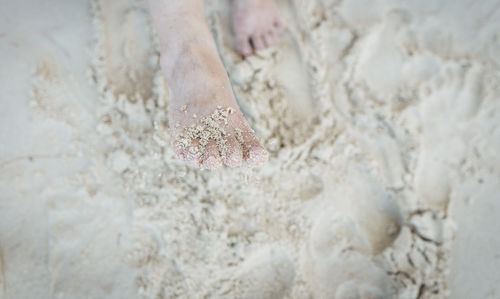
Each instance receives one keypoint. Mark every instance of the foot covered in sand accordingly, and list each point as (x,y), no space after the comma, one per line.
(208,127)
(220,137)
(256,24)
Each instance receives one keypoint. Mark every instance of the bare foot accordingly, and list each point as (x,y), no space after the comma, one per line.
(207,124)
(256,25)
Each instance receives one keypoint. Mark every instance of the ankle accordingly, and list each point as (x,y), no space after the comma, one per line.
(188,59)
(187,43)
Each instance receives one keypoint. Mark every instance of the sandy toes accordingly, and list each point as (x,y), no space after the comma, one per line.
(220,137)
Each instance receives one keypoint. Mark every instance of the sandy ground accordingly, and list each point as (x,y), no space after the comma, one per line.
(381,118)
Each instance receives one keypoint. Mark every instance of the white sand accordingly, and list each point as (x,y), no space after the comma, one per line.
(381,118)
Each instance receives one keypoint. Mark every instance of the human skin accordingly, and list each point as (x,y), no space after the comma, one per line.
(198,82)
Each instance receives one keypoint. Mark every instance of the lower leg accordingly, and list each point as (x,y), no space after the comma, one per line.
(182,30)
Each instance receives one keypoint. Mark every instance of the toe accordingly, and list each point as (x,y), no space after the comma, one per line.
(254,153)
(179,151)
(258,42)
(192,153)
(243,46)
(233,155)
(211,157)
(269,39)
(278,26)
(257,155)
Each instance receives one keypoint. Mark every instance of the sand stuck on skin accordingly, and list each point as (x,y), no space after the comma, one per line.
(381,119)
(191,144)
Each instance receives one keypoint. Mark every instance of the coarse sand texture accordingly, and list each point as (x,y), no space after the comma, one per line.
(382,123)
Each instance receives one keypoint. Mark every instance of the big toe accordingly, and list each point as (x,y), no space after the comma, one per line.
(179,151)
(190,152)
